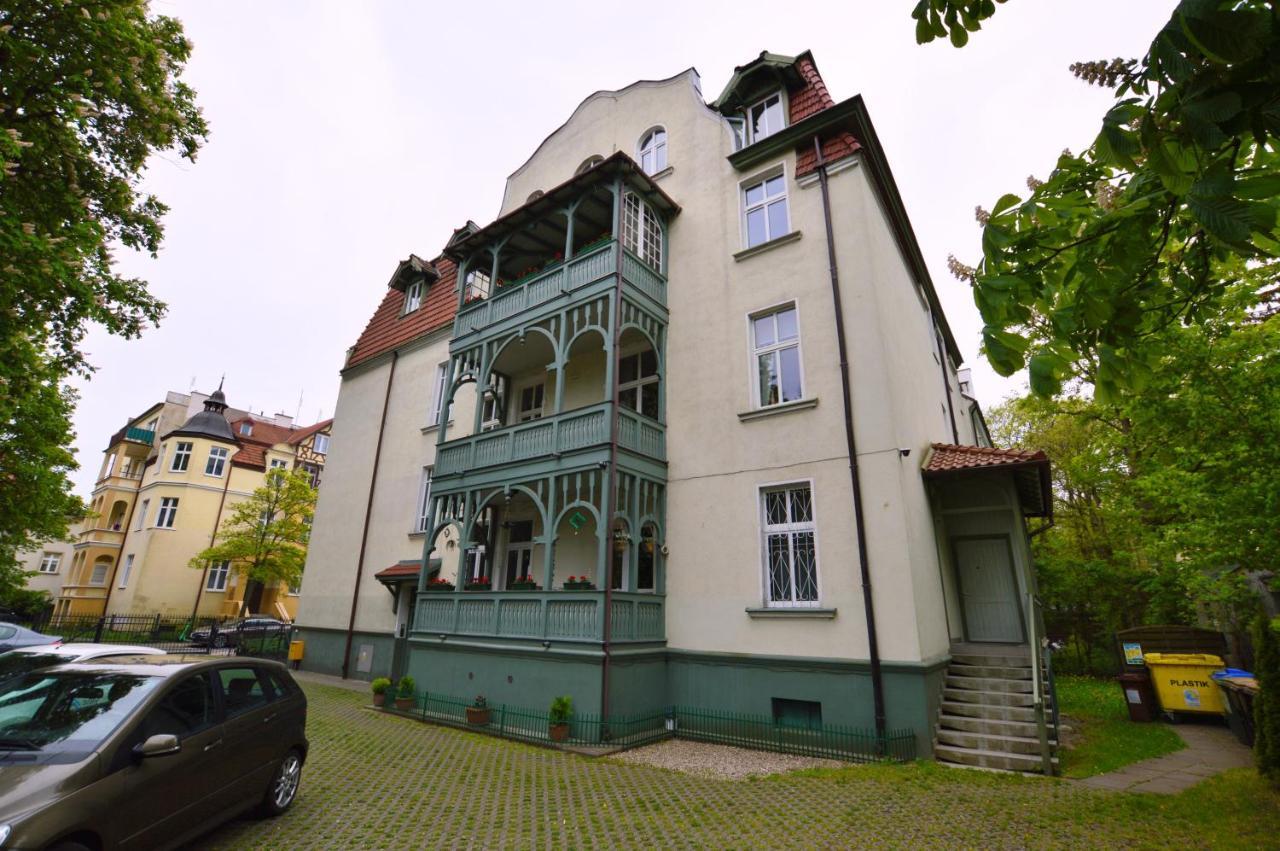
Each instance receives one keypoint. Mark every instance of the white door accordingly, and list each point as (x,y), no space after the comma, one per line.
(988,590)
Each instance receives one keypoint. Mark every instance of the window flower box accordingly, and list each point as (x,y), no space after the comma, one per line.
(524,583)
(579,583)
(439,584)
(480,583)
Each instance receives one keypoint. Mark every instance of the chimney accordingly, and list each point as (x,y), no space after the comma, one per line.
(964,377)
(283,420)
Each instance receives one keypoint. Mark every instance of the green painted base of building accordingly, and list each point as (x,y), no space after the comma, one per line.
(642,680)
(322,652)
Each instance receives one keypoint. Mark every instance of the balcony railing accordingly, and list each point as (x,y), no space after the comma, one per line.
(593,265)
(539,615)
(140,435)
(106,536)
(550,436)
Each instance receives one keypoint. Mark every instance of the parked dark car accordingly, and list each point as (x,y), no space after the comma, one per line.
(145,751)
(12,636)
(231,633)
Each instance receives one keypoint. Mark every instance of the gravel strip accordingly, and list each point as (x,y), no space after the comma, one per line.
(720,760)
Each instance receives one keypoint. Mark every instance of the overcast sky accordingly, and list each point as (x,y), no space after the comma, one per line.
(346,135)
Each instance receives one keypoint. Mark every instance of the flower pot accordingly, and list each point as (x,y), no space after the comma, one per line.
(478,716)
(479,586)
(404,704)
(559,732)
(379,699)
(439,588)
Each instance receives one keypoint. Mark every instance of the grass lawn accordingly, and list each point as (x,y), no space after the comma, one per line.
(1103,737)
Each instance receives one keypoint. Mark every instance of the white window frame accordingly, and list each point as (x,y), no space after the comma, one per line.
(642,231)
(640,381)
(412,297)
(790,529)
(753,366)
(477,285)
(761,179)
(128,569)
(278,464)
(106,573)
(438,392)
(537,389)
(649,144)
(424,501)
(246,428)
(182,450)
(50,562)
(216,464)
(751,136)
(321,444)
(217,579)
(142,515)
(167,513)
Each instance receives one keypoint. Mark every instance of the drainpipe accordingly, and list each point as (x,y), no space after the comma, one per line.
(368,510)
(128,523)
(873,644)
(213,536)
(611,496)
(946,383)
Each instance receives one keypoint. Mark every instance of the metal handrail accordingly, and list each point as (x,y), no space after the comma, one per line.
(1037,642)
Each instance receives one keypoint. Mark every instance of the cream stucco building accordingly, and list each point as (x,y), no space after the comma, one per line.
(683,425)
(168,479)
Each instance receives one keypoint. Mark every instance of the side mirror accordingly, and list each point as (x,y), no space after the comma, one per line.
(161,744)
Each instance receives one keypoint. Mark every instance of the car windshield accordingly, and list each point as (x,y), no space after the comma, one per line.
(67,710)
(14,663)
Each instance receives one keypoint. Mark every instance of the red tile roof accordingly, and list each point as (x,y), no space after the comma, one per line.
(404,568)
(810,100)
(947,457)
(302,434)
(268,434)
(388,329)
(1029,467)
(251,455)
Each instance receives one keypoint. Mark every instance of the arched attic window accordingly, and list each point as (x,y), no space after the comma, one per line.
(533,196)
(653,151)
(589,163)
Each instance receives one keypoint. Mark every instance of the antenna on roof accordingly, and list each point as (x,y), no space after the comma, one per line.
(298,412)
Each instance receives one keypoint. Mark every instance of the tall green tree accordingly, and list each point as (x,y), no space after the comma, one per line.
(265,537)
(88,92)
(1175,200)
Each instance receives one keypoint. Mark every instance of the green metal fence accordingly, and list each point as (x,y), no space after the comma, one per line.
(727,728)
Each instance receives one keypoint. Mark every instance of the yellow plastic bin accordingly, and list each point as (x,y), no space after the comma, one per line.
(1183,682)
(295,651)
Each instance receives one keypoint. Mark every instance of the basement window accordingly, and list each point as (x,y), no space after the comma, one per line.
(797,714)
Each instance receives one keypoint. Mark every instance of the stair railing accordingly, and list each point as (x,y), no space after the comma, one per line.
(1037,642)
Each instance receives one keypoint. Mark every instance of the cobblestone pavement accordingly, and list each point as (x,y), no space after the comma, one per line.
(377,781)
(1209,751)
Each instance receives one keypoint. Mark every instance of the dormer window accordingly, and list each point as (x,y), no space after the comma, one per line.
(413,297)
(246,428)
(765,118)
(653,151)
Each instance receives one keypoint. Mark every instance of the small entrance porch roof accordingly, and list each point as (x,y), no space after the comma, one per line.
(406,571)
(1030,469)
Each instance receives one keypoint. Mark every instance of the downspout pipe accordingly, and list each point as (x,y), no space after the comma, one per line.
(213,536)
(946,381)
(368,511)
(855,481)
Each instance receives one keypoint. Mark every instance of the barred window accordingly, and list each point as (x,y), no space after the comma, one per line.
(790,553)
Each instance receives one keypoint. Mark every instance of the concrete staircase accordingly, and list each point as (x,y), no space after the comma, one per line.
(987,719)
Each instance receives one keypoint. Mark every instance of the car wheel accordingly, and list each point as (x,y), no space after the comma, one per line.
(284,785)
(220,641)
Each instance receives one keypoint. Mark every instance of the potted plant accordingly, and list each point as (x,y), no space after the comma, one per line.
(478,712)
(379,688)
(405,694)
(558,717)
(479,583)
(438,584)
(578,583)
(523,583)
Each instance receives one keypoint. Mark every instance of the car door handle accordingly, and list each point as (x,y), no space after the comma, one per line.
(212,745)
(269,718)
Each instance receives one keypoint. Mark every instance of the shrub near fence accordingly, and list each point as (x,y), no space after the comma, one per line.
(749,731)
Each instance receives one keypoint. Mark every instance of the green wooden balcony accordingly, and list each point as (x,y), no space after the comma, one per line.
(546,616)
(140,435)
(550,438)
(529,299)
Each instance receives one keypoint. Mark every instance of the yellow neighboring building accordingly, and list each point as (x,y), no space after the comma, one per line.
(169,478)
